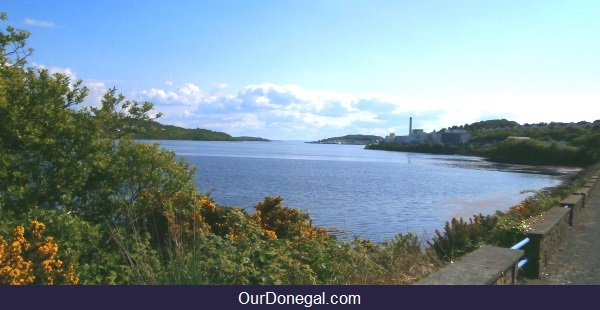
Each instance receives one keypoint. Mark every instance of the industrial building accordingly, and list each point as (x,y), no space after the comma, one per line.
(415,136)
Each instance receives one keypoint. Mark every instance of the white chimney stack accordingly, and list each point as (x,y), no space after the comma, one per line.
(410,127)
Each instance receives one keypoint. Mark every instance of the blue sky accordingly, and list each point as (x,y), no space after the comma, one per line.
(308,70)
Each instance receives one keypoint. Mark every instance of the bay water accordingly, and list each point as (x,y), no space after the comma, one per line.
(369,193)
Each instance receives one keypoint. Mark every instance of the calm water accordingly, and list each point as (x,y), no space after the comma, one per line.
(373,194)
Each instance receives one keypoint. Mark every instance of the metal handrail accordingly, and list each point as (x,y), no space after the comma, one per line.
(519,246)
(523,262)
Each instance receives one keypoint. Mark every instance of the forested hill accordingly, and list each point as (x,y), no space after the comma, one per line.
(351,139)
(157,131)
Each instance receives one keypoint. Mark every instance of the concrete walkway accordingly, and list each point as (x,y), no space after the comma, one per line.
(577,260)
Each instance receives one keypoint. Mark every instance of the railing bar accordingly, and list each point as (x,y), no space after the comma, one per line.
(523,262)
(520,244)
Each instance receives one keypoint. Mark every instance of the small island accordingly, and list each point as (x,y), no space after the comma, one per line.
(351,139)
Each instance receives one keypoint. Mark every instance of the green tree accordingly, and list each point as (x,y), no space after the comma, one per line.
(82,162)
(54,156)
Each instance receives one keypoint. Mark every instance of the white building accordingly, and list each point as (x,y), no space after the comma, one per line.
(451,136)
(391,138)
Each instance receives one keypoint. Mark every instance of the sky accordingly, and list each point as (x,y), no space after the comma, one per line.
(314,69)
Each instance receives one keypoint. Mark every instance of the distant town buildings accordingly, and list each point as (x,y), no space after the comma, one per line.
(462,136)
(415,136)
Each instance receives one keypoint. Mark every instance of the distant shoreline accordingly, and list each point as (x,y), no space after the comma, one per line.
(544,155)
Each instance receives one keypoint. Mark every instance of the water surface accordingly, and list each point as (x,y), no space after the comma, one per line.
(373,194)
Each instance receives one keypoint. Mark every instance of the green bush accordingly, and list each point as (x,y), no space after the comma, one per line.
(461,237)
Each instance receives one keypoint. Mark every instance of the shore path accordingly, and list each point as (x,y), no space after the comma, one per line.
(577,260)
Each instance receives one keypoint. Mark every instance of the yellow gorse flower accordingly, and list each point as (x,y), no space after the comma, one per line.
(14,269)
(20,262)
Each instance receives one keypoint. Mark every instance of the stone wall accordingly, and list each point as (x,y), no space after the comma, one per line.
(545,237)
(574,203)
(589,185)
(584,192)
(487,265)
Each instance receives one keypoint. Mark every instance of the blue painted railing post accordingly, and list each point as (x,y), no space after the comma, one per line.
(520,246)
(533,268)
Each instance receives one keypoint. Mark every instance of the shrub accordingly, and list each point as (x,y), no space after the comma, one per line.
(461,237)
(31,258)
(285,222)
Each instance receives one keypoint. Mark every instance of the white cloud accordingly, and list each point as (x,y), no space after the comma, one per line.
(160,95)
(219,86)
(291,112)
(38,23)
(186,94)
(269,110)
(190,94)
